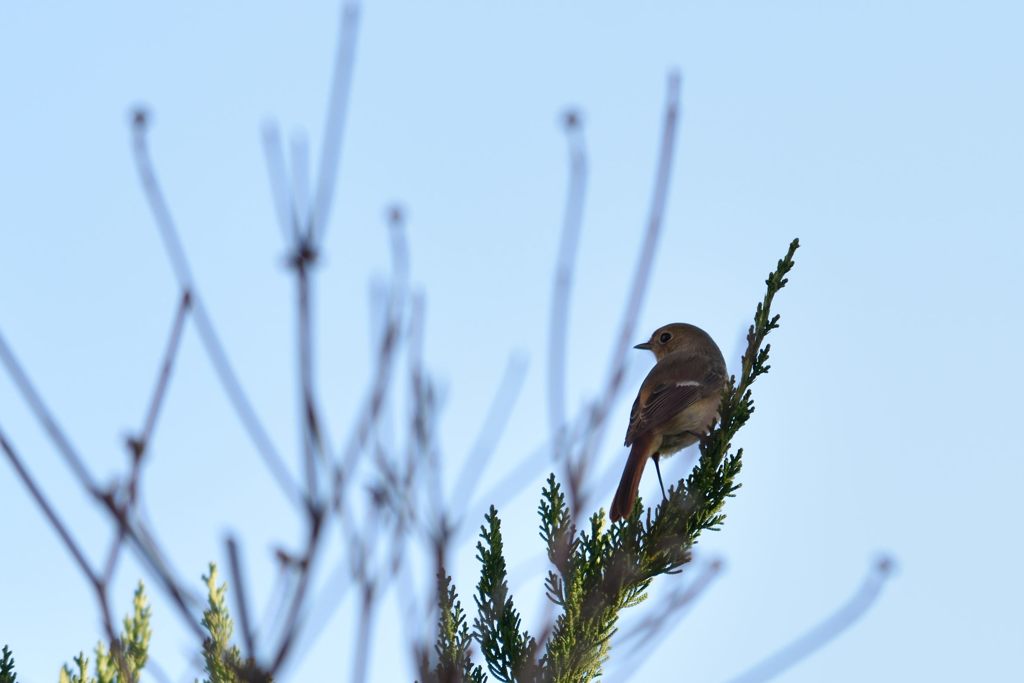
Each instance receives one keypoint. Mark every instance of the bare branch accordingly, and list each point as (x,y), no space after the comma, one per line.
(293,619)
(300,182)
(287,219)
(567,249)
(48,510)
(387,348)
(302,260)
(35,402)
(641,276)
(240,597)
(139,443)
(826,631)
(360,665)
(490,433)
(337,110)
(204,325)
(99,583)
(643,638)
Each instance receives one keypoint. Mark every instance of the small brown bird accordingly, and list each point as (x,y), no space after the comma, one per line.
(675,406)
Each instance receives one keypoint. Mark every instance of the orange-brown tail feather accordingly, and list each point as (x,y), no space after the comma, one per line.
(629,485)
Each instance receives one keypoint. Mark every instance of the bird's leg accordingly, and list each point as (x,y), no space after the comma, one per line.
(656,457)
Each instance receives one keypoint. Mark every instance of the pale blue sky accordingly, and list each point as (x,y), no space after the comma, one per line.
(886,135)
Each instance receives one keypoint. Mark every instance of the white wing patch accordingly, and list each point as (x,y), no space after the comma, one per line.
(688,383)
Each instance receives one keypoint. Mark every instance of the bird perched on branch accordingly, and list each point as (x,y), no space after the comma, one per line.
(676,404)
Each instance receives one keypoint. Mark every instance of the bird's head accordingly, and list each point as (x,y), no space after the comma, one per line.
(676,337)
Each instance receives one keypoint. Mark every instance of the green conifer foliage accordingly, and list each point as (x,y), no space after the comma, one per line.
(135,639)
(508,650)
(453,639)
(67,675)
(133,643)
(599,571)
(7,674)
(596,572)
(222,658)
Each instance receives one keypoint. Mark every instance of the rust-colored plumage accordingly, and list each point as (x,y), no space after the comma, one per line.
(675,405)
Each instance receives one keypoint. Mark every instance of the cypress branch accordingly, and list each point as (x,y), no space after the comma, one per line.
(137,633)
(602,570)
(453,639)
(508,650)
(7,674)
(133,643)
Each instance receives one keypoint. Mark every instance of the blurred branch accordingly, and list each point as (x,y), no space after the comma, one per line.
(300,184)
(826,631)
(235,566)
(204,325)
(641,276)
(490,432)
(99,583)
(287,218)
(567,248)
(48,510)
(644,637)
(106,499)
(139,443)
(598,571)
(35,403)
(337,110)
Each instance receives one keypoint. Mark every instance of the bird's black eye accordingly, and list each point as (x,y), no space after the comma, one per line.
(665,336)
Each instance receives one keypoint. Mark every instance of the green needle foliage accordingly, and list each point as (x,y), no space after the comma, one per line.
(82,674)
(133,643)
(7,674)
(596,572)
(508,650)
(604,569)
(135,639)
(453,639)
(223,660)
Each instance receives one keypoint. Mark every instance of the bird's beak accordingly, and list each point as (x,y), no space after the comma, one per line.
(646,346)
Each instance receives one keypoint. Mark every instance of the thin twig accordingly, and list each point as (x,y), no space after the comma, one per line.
(567,249)
(511,484)
(114,554)
(387,348)
(325,605)
(398,244)
(241,597)
(490,433)
(644,637)
(48,510)
(287,219)
(360,665)
(99,585)
(337,110)
(204,325)
(35,402)
(139,443)
(152,556)
(422,446)
(300,182)
(641,276)
(303,259)
(293,619)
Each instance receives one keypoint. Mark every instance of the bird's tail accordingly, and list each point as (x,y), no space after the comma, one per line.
(629,485)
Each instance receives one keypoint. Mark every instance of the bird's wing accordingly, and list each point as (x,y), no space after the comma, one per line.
(670,389)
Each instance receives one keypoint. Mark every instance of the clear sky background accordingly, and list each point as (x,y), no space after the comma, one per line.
(886,135)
